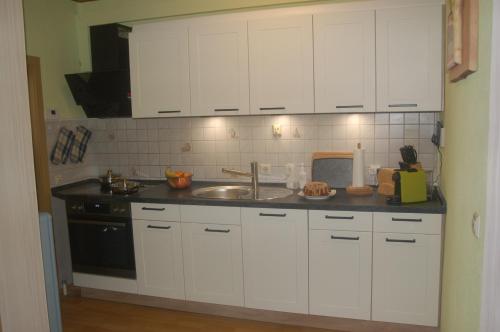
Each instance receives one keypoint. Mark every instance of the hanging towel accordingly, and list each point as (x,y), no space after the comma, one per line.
(62,148)
(79,147)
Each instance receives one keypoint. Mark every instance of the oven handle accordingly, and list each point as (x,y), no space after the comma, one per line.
(97,223)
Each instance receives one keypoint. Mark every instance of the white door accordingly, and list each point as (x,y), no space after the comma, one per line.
(344,62)
(281,65)
(219,68)
(340,271)
(275,259)
(213,263)
(406,278)
(158,258)
(159,70)
(409,59)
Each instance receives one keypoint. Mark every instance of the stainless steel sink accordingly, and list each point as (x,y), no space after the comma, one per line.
(241,192)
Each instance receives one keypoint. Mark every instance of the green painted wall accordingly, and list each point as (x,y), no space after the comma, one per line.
(464,184)
(50,27)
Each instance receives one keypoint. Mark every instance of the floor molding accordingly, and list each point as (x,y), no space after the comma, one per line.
(348,325)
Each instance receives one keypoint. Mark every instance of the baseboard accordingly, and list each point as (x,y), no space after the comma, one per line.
(339,324)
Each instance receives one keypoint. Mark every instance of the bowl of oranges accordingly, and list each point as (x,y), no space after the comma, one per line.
(178,179)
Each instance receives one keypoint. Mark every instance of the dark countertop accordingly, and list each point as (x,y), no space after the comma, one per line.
(159,192)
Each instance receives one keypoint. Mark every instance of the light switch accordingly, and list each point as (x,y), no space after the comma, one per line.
(276,130)
(476,225)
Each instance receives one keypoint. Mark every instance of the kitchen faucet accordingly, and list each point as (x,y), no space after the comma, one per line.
(253,174)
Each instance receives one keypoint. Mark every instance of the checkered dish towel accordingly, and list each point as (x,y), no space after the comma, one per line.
(62,148)
(79,147)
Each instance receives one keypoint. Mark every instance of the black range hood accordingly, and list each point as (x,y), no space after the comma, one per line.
(105,92)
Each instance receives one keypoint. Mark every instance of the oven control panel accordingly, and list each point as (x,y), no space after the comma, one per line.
(98,208)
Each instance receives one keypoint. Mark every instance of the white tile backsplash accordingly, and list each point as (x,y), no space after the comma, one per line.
(143,148)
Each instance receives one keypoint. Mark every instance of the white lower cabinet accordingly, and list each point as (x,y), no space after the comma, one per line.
(275,256)
(158,257)
(340,270)
(406,275)
(213,265)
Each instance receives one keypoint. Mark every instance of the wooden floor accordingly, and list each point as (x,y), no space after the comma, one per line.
(84,315)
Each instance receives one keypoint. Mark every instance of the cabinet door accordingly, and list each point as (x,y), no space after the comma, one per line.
(158,258)
(409,59)
(159,70)
(340,269)
(344,62)
(213,263)
(275,259)
(406,275)
(281,65)
(219,68)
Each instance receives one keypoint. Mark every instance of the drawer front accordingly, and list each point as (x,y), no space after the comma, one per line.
(340,220)
(274,215)
(163,212)
(211,214)
(407,223)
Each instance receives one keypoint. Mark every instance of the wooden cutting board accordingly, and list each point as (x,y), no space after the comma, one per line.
(334,168)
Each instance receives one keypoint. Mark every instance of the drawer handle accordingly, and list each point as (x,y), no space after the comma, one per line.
(153,209)
(217,230)
(351,238)
(403,105)
(166,112)
(281,215)
(407,220)
(339,217)
(159,227)
(349,106)
(400,241)
(226,109)
(272,108)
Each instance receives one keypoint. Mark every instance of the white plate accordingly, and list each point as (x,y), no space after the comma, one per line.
(318,198)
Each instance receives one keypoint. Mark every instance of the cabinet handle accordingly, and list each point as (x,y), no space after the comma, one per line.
(153,209)
(159,227)
(217,230)
(164,112)
(403,105)
(226,109)
(272,215)
(339,217)
(407,220)
(272,108)
(349,106)
(400,241)
(333,237)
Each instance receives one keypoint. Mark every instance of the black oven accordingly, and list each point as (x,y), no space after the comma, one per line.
(101,238)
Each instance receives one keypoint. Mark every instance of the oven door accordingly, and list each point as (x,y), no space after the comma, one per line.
(102,247)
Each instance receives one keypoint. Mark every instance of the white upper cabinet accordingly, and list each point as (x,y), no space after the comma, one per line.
(344,62)
(219,68)
(159,70)
(281,65)
(409,59)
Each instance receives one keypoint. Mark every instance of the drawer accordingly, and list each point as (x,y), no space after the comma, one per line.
(273,215)
(163,212)
(341,220)
(407,223)
(211,214)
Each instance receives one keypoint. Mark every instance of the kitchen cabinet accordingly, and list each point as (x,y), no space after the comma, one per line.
(409,58)
(159,70)
(344,62)
(213,263)
(281,65)
(219,68)
(340,264)
(158,257)
(275,255)
(406,270)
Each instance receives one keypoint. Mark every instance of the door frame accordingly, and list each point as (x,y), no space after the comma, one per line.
(490,299)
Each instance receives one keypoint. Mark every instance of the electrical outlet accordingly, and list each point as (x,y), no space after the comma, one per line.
(59,179)
(265,168)
(277,130)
